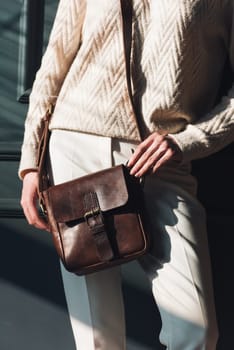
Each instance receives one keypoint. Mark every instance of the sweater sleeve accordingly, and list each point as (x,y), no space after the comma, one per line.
(211,133)
(64,42)
(214,130)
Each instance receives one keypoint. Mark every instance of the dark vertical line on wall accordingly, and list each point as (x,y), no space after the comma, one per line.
(30,45)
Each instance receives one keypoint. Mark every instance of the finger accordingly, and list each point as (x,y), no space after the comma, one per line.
(149,158)
(32,215)
(34,219)
(29,200)
(37,221)
(168,155)
(144,164)
(141,149)
(159,158)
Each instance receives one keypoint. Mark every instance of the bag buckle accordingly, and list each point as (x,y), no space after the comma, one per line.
(94,212)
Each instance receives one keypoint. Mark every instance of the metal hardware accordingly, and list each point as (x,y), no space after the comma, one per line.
(91,213)
(43,207)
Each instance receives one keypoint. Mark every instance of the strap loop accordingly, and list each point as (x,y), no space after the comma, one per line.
(96,223)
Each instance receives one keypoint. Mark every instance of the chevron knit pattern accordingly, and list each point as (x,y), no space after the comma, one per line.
(178,53)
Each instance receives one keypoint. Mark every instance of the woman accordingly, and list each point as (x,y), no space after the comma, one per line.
(179,49)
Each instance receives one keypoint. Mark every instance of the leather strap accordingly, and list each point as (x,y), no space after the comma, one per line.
(127,14)
(43,177)
(96,224)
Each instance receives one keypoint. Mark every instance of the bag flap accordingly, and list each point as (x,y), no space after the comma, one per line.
(67,199)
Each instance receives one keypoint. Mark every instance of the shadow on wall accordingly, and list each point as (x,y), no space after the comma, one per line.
(33,300)
(33,312)
(216,192)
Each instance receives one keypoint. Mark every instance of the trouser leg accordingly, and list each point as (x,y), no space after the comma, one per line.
(95,302)
(179,268)
(96,310)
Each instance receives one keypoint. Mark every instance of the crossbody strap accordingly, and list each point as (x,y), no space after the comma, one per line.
(43,176)
(127,16)
(127,12)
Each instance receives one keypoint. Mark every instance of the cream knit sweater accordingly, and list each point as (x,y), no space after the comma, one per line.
(178,54)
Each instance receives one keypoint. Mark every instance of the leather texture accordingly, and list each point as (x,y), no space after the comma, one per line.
(96,220)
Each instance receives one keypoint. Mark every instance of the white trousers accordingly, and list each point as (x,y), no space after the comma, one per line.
(178,265)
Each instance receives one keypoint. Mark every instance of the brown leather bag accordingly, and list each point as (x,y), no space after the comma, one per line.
(96,220)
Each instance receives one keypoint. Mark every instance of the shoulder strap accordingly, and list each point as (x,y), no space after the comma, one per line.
(43,178)
(127,15)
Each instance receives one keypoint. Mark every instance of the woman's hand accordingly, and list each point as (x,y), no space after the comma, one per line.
(29,199)
(152,153)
